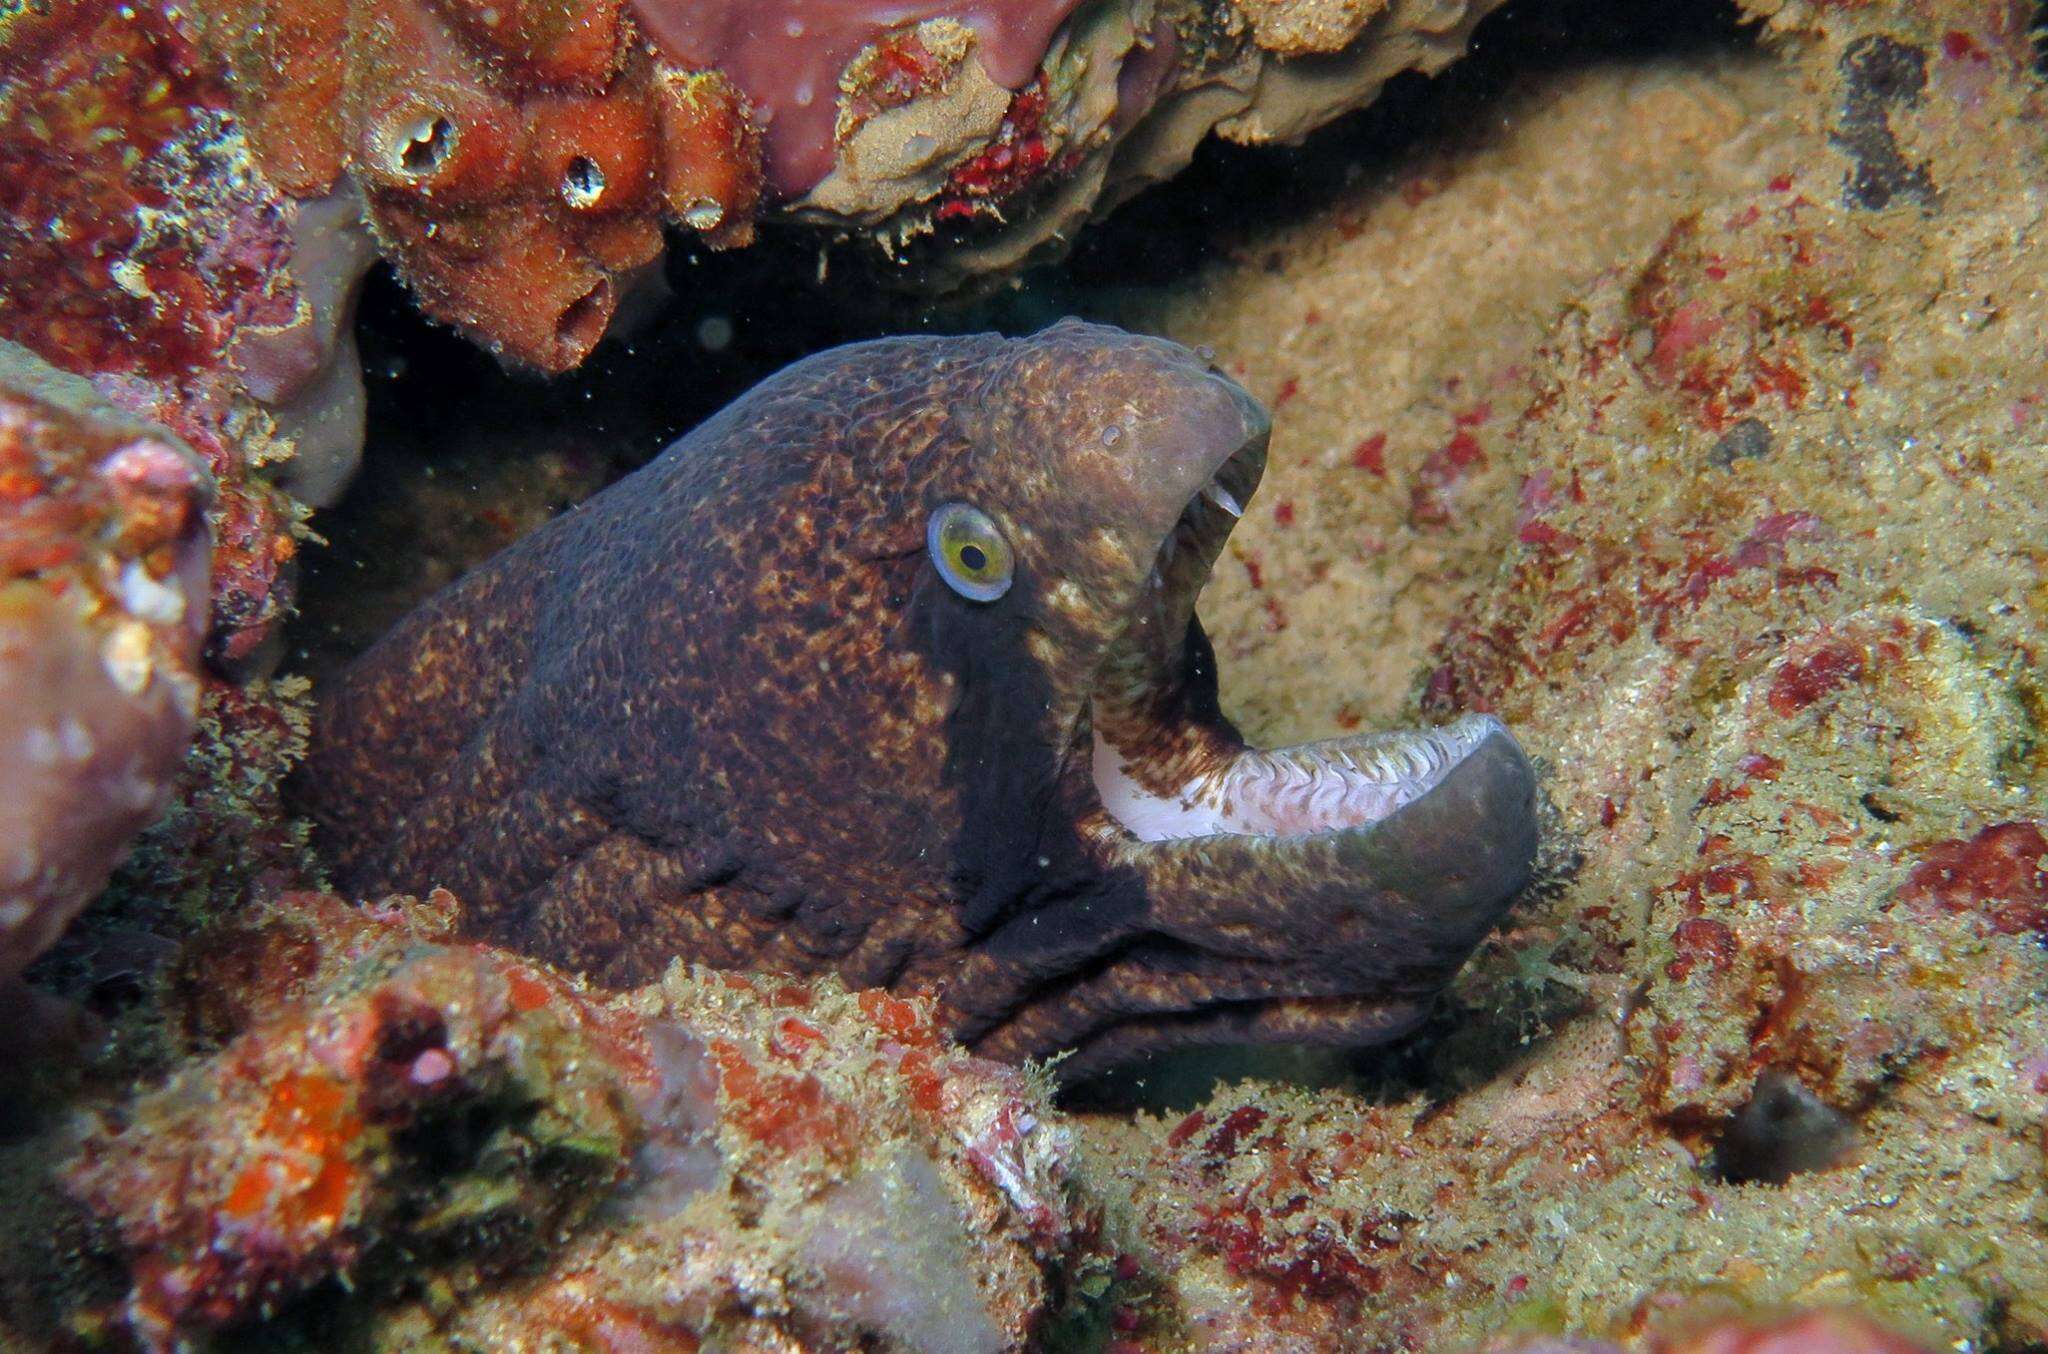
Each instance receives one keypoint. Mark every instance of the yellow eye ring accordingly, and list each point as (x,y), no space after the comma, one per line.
(969,552)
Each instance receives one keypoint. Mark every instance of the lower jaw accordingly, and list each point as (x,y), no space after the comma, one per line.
(1267,1023)
(1284,794)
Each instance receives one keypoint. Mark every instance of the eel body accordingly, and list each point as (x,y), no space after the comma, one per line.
(891,668)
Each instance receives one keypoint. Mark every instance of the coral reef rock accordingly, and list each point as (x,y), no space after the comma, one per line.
(140,248)
(103,579)
(226,841)
(1745,544)
(440,1145)
(1827,1332)
(519,162)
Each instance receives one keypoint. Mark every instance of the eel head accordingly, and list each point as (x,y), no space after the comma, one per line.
(1134,874)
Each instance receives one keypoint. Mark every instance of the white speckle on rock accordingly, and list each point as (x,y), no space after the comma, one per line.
(126,657)
(148,599)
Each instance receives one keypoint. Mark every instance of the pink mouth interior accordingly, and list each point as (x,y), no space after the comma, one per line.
(1290,792)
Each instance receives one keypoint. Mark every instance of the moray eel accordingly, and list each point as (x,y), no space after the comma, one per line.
(891,668)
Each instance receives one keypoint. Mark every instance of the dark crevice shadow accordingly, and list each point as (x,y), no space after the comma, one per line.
(1783,1130)
(1237,194)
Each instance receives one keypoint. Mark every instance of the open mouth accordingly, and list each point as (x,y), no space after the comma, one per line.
(1166,766)
(1326,786)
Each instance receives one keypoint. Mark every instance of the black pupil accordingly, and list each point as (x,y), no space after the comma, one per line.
(974,558)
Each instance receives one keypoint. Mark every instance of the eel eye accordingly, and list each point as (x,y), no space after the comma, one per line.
(969,552)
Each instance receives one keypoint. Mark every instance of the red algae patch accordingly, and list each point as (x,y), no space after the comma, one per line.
(135,247)
(94,91)
(2001,873)
(1804,678)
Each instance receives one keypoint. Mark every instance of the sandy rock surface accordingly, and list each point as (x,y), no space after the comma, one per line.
(1691,422)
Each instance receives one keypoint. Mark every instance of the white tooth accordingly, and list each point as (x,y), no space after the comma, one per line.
(1157,581)
(1220,496)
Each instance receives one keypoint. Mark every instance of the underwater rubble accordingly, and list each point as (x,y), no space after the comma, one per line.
(1692,420)
(428,1143)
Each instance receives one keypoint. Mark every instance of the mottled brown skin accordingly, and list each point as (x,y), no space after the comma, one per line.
(728,710)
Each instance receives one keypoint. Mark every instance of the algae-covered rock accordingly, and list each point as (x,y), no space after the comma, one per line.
(104,550)
(1736,524)
(431,1144)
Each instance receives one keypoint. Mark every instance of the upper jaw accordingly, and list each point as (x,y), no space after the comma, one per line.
(1142,680)
(1209,510)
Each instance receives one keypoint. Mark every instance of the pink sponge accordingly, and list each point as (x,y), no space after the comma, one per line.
(786,56)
